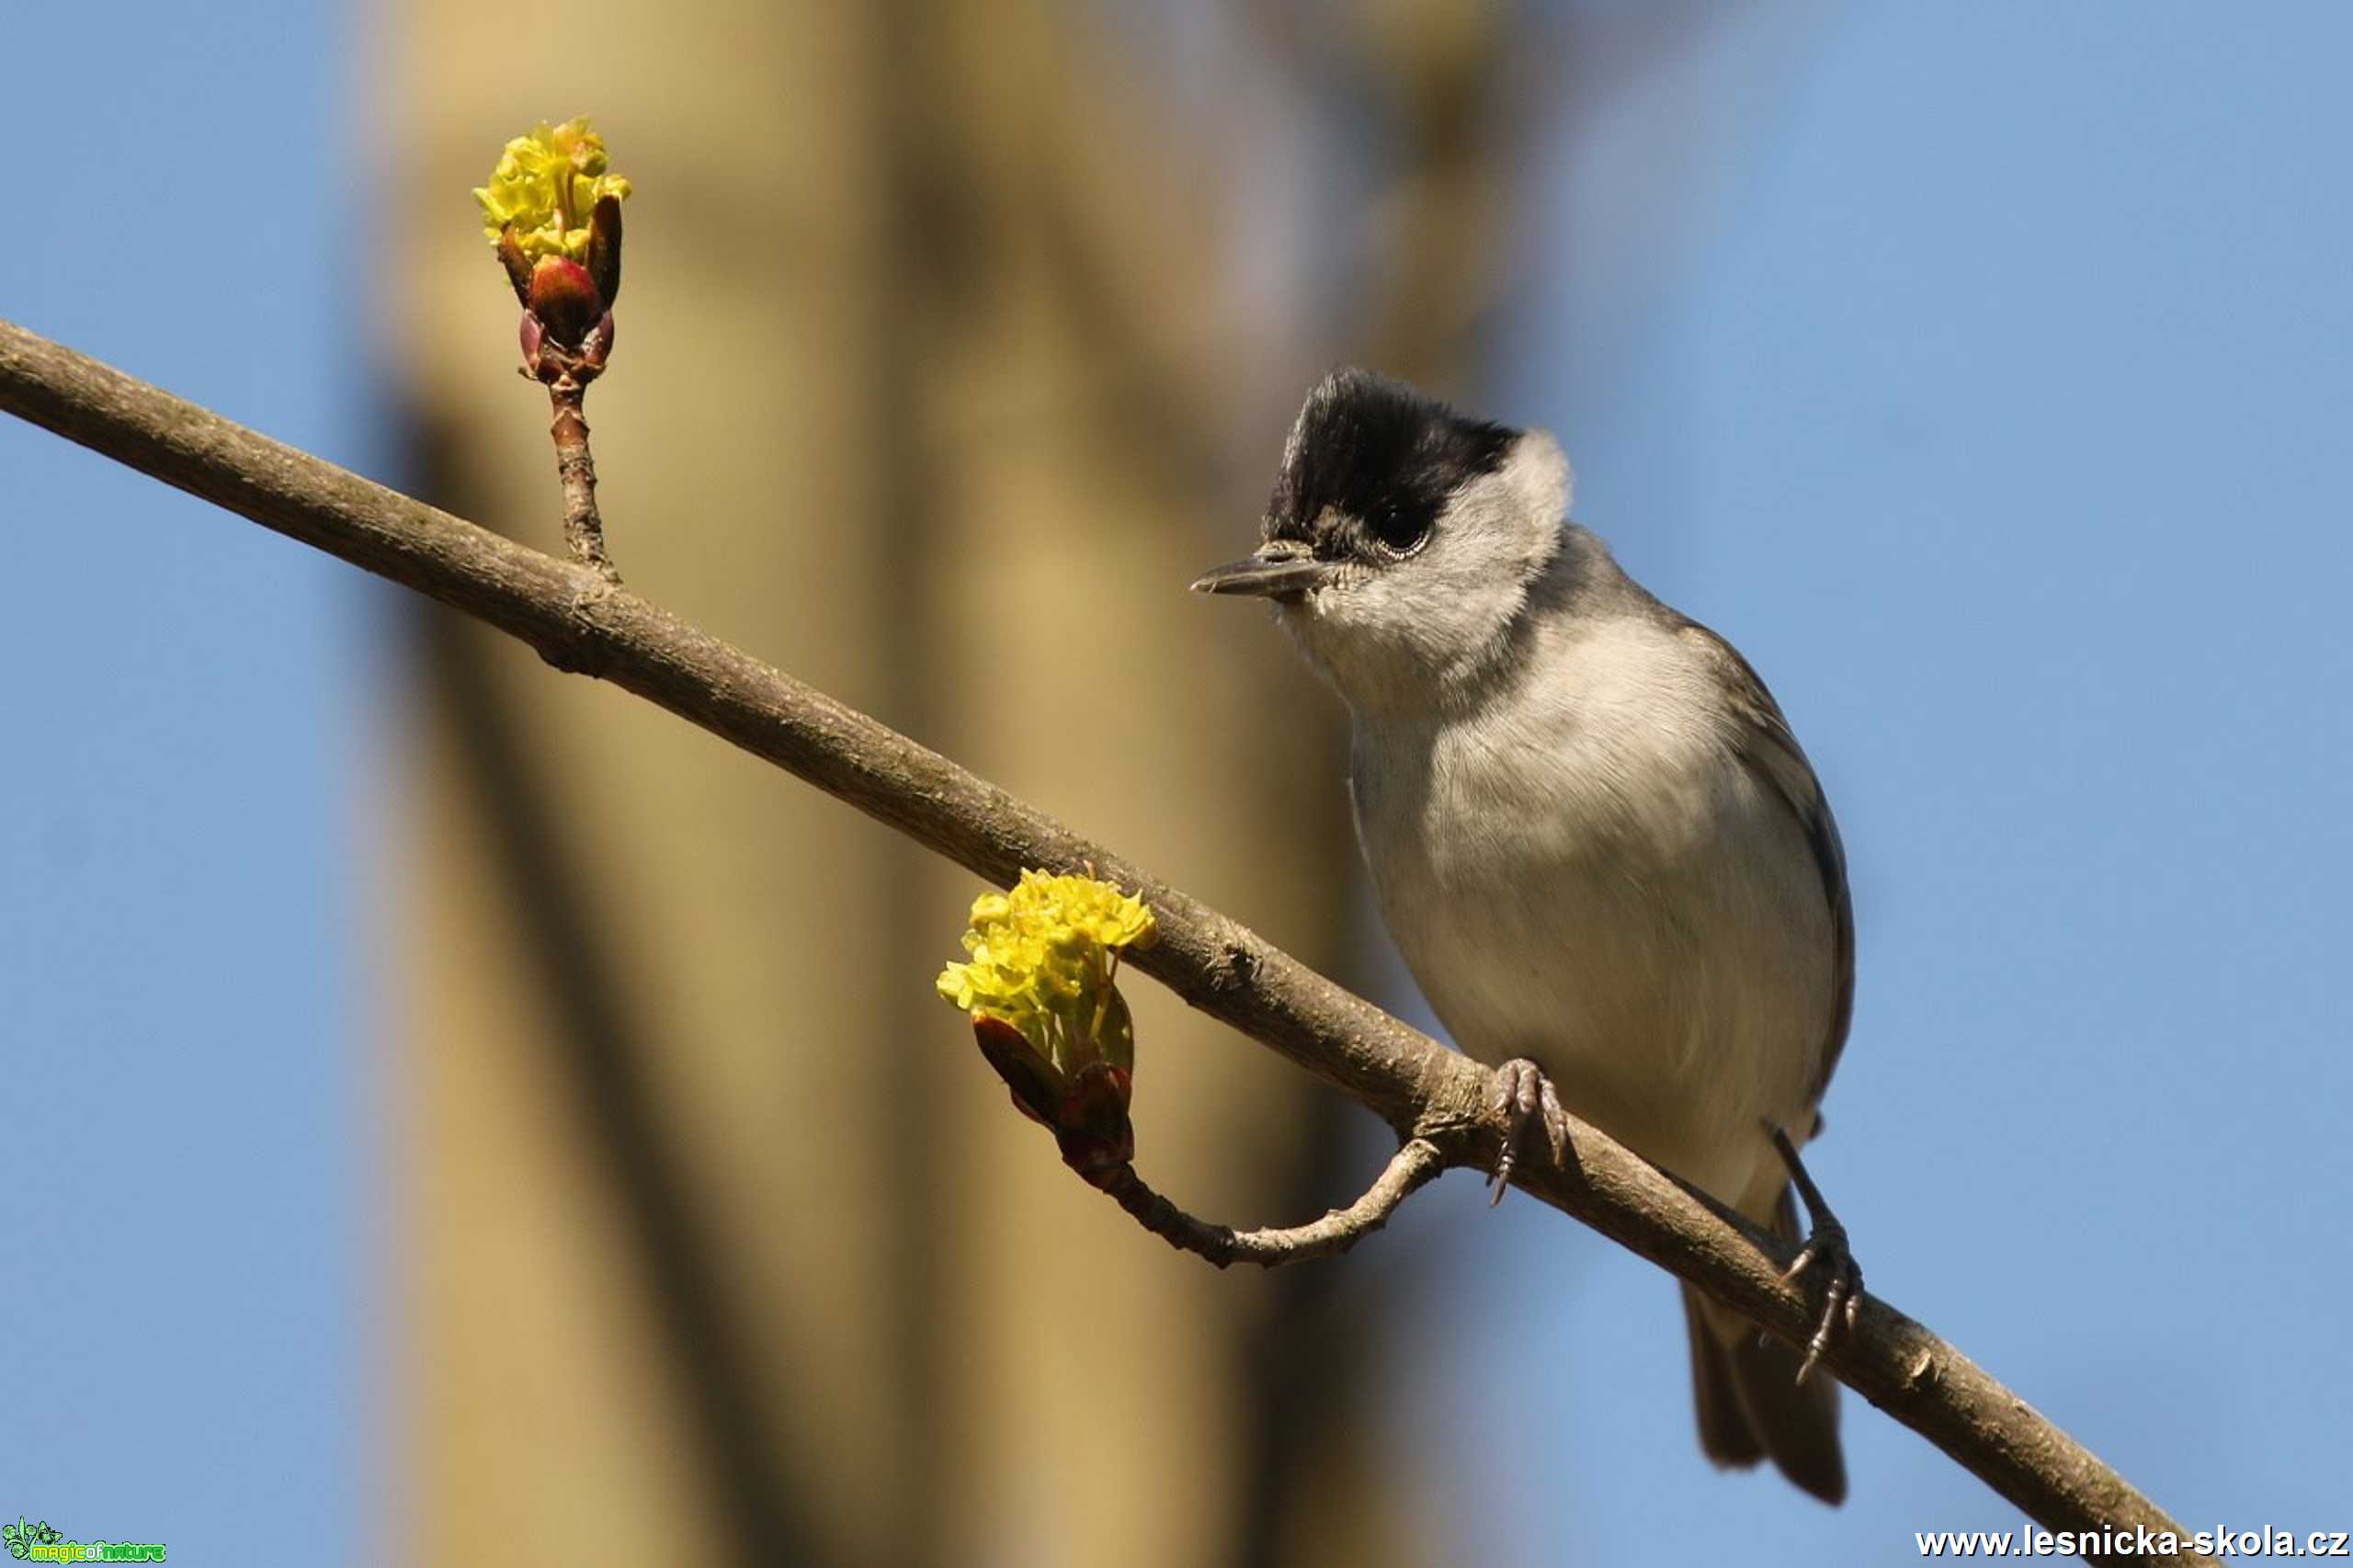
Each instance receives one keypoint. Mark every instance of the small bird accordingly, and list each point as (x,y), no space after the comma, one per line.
(1592,836)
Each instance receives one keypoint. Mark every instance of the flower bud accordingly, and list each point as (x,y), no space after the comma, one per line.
(1049,1018)
(552,210)
(512,256)
(565,298)
(604,254)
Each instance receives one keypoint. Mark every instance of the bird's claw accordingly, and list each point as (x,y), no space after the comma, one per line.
(1826,1252)
(1524,1096)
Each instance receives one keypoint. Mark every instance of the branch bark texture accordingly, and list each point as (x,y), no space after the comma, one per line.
(575,467)
(1416,1164)
(1423,1090)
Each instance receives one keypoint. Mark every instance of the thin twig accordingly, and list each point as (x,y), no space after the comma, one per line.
(1416,1162)
(1421,1088)
(584,527)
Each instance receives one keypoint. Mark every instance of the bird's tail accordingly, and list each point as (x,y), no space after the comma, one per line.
(1751,1404)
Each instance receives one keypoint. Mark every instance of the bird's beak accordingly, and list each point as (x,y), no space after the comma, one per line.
(1282,570)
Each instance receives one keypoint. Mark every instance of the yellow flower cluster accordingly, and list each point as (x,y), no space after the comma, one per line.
(1041,959)
(546,186)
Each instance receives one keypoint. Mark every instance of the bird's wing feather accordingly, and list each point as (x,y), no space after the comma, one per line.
(1771,753)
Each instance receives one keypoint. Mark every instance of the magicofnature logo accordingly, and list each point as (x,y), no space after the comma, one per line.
(22,1538)
(44,1543)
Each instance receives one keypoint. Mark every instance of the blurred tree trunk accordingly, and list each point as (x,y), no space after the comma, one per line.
(934,386)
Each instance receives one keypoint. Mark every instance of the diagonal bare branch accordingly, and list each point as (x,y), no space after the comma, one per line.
(1419,1087)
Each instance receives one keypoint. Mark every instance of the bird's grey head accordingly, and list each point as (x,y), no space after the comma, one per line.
(1402,539)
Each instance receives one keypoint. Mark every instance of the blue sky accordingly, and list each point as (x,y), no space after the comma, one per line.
(1981,369)
(1989,383)
(183,877)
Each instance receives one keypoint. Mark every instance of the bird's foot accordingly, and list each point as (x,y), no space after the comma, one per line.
(1524,1097)
(1826,1253)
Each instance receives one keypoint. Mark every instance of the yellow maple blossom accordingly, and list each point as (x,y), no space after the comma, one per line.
(546,186)
(1042,959)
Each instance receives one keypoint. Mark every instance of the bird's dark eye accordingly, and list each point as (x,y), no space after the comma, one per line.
(1401,529)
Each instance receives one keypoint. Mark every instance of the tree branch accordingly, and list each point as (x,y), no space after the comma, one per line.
(1421,1088)
(575,467)
(1414,1166)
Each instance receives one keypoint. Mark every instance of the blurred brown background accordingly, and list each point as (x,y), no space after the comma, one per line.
(955,339)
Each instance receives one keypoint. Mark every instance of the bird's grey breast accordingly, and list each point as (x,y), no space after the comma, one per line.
(1587,869)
